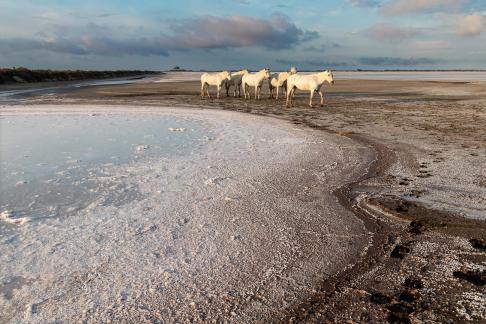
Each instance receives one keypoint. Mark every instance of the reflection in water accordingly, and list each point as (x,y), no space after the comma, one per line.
(22,94)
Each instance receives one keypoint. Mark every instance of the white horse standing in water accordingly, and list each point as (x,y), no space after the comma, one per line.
(278,80)
(235,81)
(213,79)
(254,80)
(312,83)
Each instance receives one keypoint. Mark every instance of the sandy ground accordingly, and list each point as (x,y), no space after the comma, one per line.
(422,200)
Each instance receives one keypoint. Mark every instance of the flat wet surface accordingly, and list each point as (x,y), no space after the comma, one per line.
(12,93)
(50,164)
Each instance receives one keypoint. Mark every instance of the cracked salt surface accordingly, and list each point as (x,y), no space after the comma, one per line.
(216,230)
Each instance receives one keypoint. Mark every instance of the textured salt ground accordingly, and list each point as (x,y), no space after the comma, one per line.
(431,148)
(242,228)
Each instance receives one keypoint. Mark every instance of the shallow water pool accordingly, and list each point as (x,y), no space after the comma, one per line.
(53,163)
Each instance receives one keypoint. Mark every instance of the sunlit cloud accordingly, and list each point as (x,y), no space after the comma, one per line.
(470,25)
(387,32)
(400,7)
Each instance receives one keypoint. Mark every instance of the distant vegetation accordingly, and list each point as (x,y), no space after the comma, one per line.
(24,75)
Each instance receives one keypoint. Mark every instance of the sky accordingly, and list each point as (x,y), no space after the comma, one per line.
(235,34)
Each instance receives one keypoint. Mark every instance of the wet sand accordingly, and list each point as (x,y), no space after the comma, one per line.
(421,198)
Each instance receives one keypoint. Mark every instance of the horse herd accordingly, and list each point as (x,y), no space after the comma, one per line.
(290,81)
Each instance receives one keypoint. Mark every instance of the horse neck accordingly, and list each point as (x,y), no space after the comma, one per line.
(260,74)
(322,77)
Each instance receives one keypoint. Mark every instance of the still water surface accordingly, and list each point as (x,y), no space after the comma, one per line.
(50,164)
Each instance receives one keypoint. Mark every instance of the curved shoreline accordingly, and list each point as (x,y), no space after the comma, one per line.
(374,252)
(281,195)
(429,253)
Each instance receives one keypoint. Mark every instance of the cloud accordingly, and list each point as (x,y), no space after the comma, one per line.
(208,32)
(364,3)
(400,7)
(312,63)
(397,61)
(470,25)
(389,32)
(85,45)
(322,47)
(59,45)
(433,44)
(275,32)
(243,2)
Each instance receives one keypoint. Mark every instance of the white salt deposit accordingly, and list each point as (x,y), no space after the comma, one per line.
(186,240)
(172,129)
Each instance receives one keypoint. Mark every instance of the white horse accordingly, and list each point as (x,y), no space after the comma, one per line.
(311,82)
(254,80)
(213,79)
(278,80)
(235,82)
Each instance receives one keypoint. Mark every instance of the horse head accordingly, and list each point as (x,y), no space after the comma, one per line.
(266,73)
(226,75)
(241,72)
(331,77)
(293,70)
(328,76)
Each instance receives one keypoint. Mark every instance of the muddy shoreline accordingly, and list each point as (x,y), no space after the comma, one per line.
(427,261)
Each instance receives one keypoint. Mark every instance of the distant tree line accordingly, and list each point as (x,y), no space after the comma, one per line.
(24,75)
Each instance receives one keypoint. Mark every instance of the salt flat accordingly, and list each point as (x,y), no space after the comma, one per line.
(240,224)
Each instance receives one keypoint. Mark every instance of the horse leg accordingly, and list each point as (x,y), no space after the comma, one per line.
(322,97)
(287,95)
(311,96)
(202,90)
(207,90)
(292,96)
(227,89)
(290,93)
(276,97)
